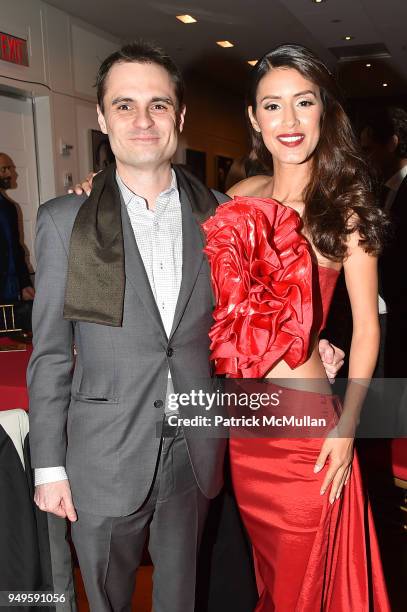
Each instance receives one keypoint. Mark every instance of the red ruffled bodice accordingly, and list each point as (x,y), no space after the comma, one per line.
(261,269)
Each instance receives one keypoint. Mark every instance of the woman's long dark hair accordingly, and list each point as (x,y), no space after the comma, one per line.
(339,197)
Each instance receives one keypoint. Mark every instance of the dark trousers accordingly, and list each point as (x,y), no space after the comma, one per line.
(109,549)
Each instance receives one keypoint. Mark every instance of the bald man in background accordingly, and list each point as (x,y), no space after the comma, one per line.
(15,282)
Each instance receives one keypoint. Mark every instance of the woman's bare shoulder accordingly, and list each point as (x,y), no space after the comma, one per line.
(252,186)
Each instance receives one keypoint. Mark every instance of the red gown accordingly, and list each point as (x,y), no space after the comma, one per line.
(270,305)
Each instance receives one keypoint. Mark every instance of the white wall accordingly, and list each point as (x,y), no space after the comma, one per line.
(65,134)
(45,149)
(88,52)
(57,27)
(75,51)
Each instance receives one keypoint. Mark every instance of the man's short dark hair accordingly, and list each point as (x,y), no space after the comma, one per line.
(143,53)
(384,123)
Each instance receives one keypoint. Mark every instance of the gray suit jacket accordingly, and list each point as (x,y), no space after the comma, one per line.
(97,414)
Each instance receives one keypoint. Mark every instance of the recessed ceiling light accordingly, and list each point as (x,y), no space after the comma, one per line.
(186,18)
(317,1)
(348,37)
(224,43)
(252,62)
(368,65)
(385,84)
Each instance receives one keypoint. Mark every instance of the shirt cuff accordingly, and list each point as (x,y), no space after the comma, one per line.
(50,474)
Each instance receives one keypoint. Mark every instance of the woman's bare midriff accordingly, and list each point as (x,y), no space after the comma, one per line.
(310,376)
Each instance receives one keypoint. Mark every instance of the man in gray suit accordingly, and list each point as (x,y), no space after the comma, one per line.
(121,277)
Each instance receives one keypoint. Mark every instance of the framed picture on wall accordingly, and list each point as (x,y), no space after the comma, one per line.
(196,162)
(102,154)
(222,167)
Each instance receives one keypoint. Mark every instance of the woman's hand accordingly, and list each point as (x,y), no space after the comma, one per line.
(85,186)
(340,453)
(332,358)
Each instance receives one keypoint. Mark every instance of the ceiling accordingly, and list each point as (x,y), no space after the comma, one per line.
(378,30)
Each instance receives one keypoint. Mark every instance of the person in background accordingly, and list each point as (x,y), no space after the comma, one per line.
(384,141)
(15,282)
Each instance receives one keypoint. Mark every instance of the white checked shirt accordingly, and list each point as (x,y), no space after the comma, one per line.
(158,235)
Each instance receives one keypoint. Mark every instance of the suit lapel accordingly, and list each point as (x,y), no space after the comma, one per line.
(192,256)
(136,272)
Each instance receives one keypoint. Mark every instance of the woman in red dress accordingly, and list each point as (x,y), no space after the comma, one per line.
(276,250)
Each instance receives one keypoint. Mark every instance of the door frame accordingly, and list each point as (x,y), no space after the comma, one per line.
(42,115)
(43,133)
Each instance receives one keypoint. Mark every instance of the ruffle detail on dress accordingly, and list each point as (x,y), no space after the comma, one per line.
(261,273)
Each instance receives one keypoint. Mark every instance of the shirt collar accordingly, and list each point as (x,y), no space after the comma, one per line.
(398,177)
(129,195)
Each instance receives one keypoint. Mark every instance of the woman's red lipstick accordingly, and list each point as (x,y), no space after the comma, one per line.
(291,140)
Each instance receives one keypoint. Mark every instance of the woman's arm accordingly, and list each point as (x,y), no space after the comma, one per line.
(361,282)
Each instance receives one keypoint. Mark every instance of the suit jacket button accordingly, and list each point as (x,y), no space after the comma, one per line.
(170,352)
(158,403)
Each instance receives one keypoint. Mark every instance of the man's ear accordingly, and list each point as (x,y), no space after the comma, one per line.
(101,119)
(253,120)
(181,118)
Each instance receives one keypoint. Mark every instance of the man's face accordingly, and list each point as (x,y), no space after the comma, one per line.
(140,115)
(8,174)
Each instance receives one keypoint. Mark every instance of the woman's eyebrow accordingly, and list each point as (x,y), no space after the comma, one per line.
(297,95)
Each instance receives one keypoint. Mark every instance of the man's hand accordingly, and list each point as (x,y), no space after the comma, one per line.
(28,293)
(85,186)
(332,358)
(56,497)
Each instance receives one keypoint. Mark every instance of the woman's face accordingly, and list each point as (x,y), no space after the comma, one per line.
(288,115)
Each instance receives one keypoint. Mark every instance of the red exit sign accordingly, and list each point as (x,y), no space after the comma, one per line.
(13,49)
